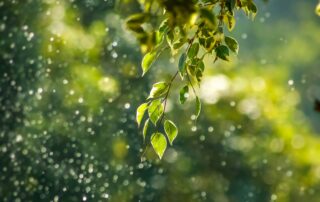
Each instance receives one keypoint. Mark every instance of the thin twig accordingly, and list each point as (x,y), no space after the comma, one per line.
(166,97)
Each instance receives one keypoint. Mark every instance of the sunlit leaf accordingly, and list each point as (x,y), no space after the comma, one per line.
(179,43)
(232,44)
(155,111)
(318,9)
(145,129)
(198,107)
(163,26)
(183,93)
(147,61)
(222,52)
(171,130)
(230,21)
(159,143)
(138,18)
(193,51)
(158,89)
(140,112)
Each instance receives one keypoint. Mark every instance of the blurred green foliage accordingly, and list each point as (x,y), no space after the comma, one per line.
(70,86)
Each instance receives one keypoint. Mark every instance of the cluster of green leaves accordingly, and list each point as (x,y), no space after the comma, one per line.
(193,29)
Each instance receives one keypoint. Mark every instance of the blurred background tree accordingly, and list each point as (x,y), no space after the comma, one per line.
(70,84)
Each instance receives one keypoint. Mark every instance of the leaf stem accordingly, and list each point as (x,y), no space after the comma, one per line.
(166,96)
(194,91)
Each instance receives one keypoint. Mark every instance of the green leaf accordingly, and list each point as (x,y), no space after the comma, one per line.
(199,75)
(183,92)
(193,51)
(170,38)
(163,26)
(147,61)
(252,8)
(209,43)
(138,18)
(230,21)
(145,129)
(222,52)
(171,130)
(179,43)
(182,63)
(209,17)
(140,112)
(159,143)
(232,44)
(198,107)
(201,66)
(230,5)
(158,89)
(155,111)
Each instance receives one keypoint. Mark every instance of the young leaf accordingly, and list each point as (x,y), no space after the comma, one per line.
(171,130)
(145,129)
(193,51)
(182,63)
(140,112)
(198,107)
(147,61)
(158,89)
(183,92)
(232,44)
(222,52)
(155,111)
(159,143)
